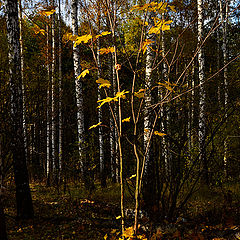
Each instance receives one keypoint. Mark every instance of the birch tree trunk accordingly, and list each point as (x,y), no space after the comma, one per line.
(164,111)
(111,135)
(116,162)
(22,75)
(54,104)
(60,116)
(100,129)
(23,195)
(149,178)
(225,80)
(78,84)
(49,122)
(202,95)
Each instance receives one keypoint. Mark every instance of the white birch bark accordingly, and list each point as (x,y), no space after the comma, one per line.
(202,95)
(54,112)
(163,112)
(78,83)
(225,80)
(60,140)
(148,85)
(23,194)
(48,112)
(115,114)
(100,129)
(111,123)
(22,75)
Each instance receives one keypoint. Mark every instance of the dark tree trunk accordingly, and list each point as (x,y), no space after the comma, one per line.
(23,195)
(3,232)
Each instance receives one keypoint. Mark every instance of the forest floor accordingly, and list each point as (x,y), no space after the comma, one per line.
(78,214)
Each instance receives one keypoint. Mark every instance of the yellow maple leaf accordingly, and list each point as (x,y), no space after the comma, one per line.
(38,30)
(108,85)
(102,34)
(85,38)
(69,37)
(126,119)
(159,133)
(48,12)
(83,73)
(106,50)
(145,43)
(172,8)
(128,232)
(121,94)
(106,100)
(94,126)
(103,83)
(140,93)
(133,176)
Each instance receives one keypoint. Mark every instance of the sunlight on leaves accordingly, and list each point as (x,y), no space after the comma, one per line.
(133,176)
(94,126)
(140,93)
(103,83)
(126,119)
(102,34)
(145,44)
(159,133)
(172,8)
(106,50)
(69,37)
(106,100)
(47,12)
(167,85)
(83,74)
(122,94)
(84,39)
(160,25)
(38,30)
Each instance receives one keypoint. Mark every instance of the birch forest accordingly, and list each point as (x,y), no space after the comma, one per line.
(120,119)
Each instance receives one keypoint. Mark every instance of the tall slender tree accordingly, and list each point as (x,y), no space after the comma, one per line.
(100,129)
(60,116)
(54,103)
(224,19)
(49,112)
(149,180)
(78,84)
(202,95)
(23,195)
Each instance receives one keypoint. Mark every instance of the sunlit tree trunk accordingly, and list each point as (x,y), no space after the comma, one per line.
(78,84)
(202,95)
(149,179)
(23,195)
